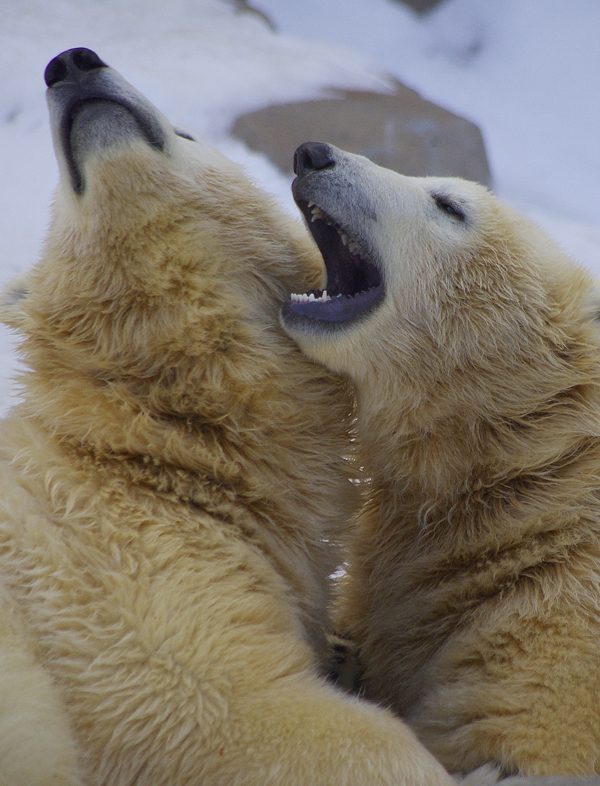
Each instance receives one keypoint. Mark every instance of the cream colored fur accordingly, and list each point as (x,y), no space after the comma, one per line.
(172,489)
(473,584)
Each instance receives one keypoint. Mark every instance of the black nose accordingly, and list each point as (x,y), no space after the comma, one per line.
(72,64)
(313,155)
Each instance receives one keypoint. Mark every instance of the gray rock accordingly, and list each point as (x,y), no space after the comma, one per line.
(401,131)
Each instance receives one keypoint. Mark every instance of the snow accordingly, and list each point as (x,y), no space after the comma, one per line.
(526,71)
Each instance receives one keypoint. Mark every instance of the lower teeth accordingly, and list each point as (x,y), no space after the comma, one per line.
(324,297)
(310,298)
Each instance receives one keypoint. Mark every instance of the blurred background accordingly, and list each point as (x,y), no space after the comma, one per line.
(506,93)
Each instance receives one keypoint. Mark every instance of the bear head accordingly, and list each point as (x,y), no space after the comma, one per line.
(151,324)
(441,301)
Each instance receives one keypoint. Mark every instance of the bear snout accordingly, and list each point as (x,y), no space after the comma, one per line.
(93,109)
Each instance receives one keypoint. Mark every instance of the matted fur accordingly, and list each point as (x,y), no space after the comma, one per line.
(172,486)
(473,584)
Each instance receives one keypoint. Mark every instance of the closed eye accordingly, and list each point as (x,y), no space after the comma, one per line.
(449,206)
(184,134)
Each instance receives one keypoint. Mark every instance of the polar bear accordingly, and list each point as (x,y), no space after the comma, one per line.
(473,583)
(173,482)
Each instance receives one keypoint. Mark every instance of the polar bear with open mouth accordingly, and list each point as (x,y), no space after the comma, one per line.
(473,584)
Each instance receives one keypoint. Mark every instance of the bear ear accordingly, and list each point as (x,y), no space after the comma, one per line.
(11,301)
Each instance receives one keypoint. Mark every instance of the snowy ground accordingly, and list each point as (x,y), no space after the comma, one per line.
(526,71)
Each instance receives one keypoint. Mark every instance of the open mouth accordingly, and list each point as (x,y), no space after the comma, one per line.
(354,282)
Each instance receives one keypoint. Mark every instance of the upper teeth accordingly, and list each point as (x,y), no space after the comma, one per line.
(317,213)
(350,243)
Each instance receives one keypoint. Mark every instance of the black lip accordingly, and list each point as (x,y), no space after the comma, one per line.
(354,280)
(70,96)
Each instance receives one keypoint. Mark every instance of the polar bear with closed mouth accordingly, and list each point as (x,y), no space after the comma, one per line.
(473,583)
(173,482)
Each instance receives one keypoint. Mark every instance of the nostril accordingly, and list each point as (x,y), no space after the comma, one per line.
(56,71)
(86,60)
(313,155)
(71,65)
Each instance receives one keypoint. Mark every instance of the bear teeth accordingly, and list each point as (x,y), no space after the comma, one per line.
(350,244)
(323,297)
(304,298)
(317,213)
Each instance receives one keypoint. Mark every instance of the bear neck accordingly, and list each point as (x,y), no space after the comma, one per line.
(448,524)
(263,437)
(271,461)
(292,423)
(468,476)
